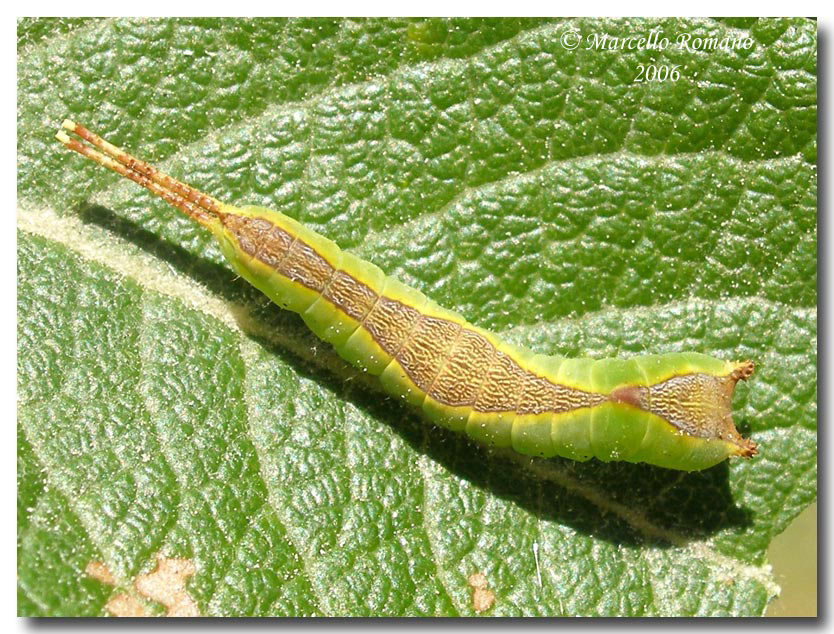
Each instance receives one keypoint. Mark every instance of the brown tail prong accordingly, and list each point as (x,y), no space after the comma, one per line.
(131,162)
(743,370)
(193,211)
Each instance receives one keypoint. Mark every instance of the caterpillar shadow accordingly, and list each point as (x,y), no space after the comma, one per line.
(619,502)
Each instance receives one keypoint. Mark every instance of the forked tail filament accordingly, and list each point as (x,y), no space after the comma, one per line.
(195,204)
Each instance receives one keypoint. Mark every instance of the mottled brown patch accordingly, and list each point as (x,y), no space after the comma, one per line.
(540,395)
(482,597)
(469,371)
(501,389)
(248,231)
(297,260)
(699,405)
(460,378)
(274,247)
(456,366)
(278,249)
(537,395)
(349,295)
(389,323)
(305,266)
(424,353)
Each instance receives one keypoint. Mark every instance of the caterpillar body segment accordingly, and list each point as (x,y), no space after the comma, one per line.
(671,410)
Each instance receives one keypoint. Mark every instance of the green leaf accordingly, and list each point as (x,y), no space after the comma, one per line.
(169,413)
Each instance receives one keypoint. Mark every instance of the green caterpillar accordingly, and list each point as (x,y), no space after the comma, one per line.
(671,410)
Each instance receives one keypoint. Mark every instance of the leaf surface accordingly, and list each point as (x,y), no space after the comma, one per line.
(166,409)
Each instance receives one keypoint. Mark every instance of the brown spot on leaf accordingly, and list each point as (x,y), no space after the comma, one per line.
(165,585)
(126,605)
(100,572)
(482,597)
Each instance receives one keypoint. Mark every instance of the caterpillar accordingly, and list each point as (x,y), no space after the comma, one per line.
(671,410)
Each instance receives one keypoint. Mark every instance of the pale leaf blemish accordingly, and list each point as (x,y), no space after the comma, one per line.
(165,585)
(482,597)
(126,605)
(122,604)
(100,572)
